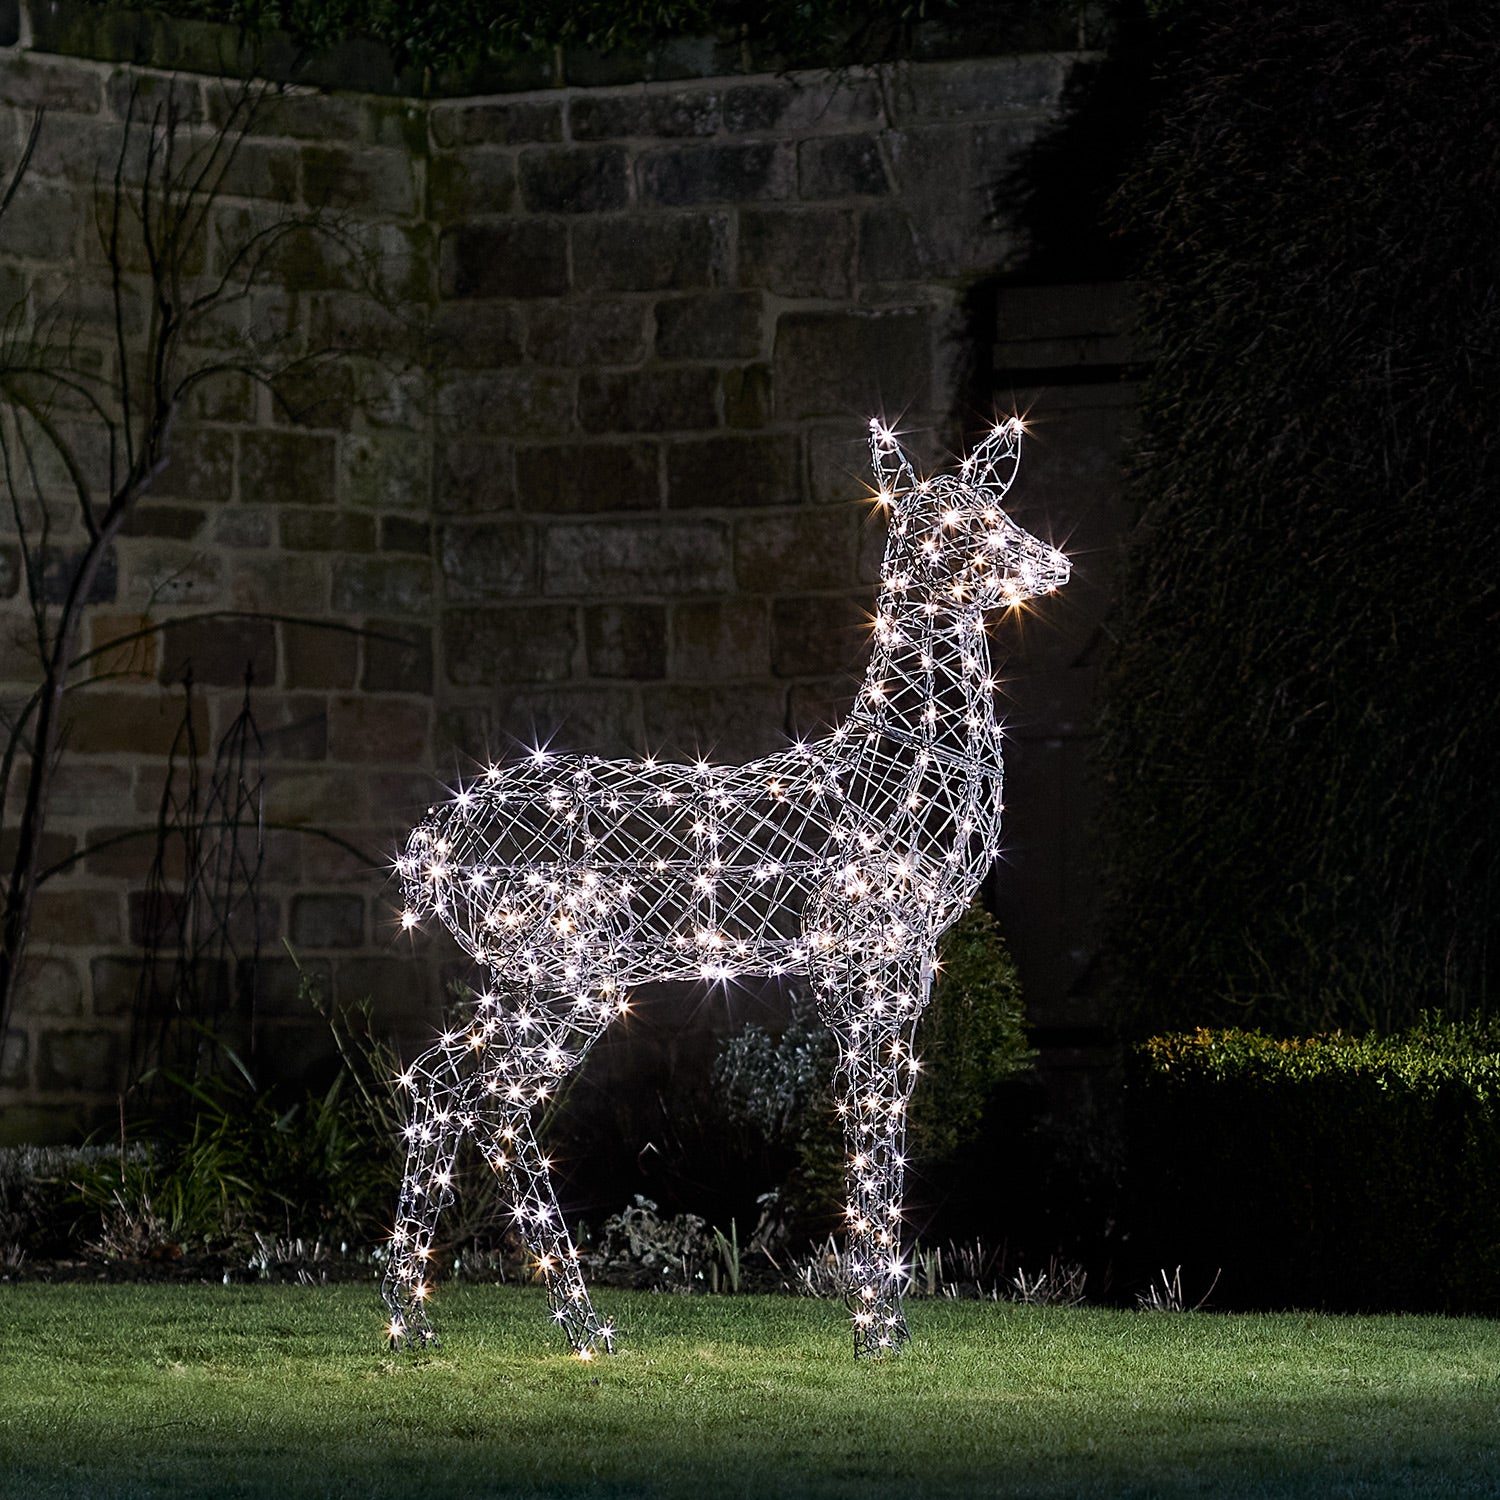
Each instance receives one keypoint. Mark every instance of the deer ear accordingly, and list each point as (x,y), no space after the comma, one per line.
(994,462)
(893,470)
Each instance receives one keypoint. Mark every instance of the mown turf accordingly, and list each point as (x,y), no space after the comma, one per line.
(282,1391)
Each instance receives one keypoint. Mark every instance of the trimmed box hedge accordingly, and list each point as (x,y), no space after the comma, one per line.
(1339,1172)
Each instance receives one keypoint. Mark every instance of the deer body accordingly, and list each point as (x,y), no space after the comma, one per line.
(572,878)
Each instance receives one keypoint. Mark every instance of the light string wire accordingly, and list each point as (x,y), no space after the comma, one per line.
(570,879)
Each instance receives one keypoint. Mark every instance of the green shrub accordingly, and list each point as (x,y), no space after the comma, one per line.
(971,1037)
(1333,1171)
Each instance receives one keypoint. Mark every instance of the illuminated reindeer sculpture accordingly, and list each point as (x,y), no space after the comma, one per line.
(571,878)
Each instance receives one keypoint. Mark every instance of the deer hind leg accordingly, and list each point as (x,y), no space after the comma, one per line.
(533,1048)
(875,1017)
(442,1084)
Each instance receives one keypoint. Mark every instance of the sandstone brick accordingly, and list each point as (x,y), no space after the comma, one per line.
(518,403)
(327,863)
(293,728)
(321,921)
(721,640)
(280,583)
(41,223)
(474,183)
(319,797)
(56,848)
(112,721)
(395,586)
(474,478)
(613,559)
(365,180)
(383,471)
(797,253)
(61,566)
(587,720)
(50,987)
(839,462)
(10,570)
(528,643)
(81,918)
(515,258)
(495,123)
(589,477)
(404,534)
(262,169)
(80,1060)
(797,108)
(812,549)
(981,86)
(84,789)
(975,234)
(475,335)
(626,640)
(648,253)
(722,724)
(321,393)
(312,657)
(819,635)
(398,658)
(658,400)
(577,335)
(327,531)
(575,179)
(219,652)
(200,465)
(240,527)
(300,259)
(595,117)
(168,572)
(859,361)
(282,854)
(180,522)
(315,117)
(286,468)
(716,325)
(747,395)
(355,322)
(28,81)
(845,166)
(734,471)
(889,249)
(379,729)
(815,707)
(228,397)
(15,1059)
(488,560)
(685,176)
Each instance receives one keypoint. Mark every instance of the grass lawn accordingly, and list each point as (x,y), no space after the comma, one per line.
(285,1391)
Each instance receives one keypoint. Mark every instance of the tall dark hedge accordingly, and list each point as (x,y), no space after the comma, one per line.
(1300,747)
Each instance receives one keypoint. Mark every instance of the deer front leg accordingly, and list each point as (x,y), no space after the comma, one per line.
(441,1086)
(531,1052)
(876,1073)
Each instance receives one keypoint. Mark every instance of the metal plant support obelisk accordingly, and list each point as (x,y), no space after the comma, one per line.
(571,878)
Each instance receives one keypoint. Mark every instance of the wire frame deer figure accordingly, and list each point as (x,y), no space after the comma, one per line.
(571,878)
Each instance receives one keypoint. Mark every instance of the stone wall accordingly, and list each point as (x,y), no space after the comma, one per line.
(611,493)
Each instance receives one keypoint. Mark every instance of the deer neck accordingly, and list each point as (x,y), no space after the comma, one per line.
(929,689)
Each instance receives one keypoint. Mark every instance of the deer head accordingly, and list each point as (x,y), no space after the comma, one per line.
(952,547)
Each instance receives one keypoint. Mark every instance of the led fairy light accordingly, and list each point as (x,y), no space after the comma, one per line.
(571,878)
